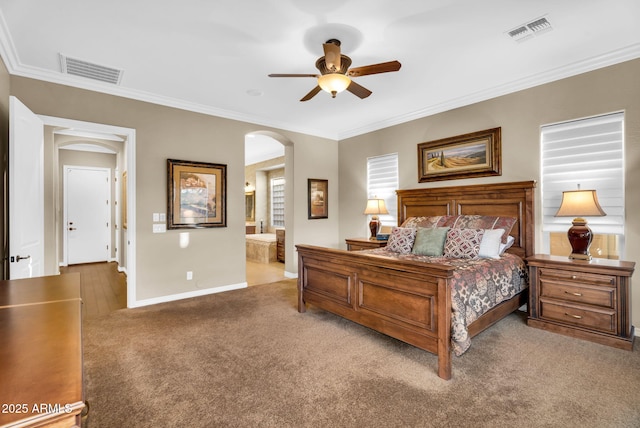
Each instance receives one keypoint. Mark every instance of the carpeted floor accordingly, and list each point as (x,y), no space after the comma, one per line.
(247,358)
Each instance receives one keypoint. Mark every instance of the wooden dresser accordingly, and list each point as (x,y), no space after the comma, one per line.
(585,299)
(357,244)
(280,245)
(41,352)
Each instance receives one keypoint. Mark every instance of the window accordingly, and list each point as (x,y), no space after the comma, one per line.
(277,202)
(382,182)
(587,154)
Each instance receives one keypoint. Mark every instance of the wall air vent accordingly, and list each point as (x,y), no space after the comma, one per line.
(530,29)
(78,67)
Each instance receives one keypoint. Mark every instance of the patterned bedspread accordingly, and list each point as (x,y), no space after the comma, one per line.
(477,286)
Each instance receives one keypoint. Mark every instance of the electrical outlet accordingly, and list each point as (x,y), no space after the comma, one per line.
(189,275)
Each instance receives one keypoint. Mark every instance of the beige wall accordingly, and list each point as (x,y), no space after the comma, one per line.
(215,256)
(520,115)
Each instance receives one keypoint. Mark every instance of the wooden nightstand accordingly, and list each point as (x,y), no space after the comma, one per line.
(585,299)
(357,244)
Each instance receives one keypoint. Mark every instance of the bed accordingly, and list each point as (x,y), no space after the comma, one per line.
(405,297)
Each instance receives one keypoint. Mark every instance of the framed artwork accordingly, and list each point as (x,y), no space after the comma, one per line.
(318,198)
(197,194)
(465,156)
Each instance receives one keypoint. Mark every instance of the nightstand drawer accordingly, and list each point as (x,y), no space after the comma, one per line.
(586,299)
(581,277)
(578,293)
(594,319)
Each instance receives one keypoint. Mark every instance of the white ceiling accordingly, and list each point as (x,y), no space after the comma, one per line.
(214,56)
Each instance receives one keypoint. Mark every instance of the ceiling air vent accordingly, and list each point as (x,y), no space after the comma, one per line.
(526,31)
(78,67)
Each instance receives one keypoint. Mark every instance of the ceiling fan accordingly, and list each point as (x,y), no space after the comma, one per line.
(335,75)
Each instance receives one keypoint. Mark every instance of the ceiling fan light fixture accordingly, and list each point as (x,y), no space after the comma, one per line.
(334,83)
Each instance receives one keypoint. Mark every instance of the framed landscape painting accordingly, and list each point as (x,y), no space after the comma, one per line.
(196,194)
(318,202)
(465,156)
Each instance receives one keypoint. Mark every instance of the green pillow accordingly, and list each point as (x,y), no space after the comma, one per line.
(430,242)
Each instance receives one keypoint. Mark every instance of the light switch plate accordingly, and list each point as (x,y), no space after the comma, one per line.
(159,228)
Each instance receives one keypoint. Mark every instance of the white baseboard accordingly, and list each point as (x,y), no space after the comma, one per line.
(187,295)
(290,275)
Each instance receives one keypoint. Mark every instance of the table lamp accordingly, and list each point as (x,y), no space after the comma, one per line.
(579,204)
(375,207)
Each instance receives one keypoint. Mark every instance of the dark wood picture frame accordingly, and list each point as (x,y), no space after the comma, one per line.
(477,154)
(318,198)
(197,194)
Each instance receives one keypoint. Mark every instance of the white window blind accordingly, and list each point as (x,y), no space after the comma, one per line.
(277,202)
(382,182)
(588,153)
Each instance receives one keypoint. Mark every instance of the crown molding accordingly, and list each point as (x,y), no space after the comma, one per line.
(610,58)
(14,67)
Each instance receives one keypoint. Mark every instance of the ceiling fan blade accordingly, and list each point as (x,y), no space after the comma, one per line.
(383,67)
(332,55)
(311,94)
(292,75)
(358,90)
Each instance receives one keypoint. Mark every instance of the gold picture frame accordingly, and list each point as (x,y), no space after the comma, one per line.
(318,198)
(196,194)
(477,154)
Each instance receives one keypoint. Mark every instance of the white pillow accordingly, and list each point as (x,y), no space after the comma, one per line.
(490,245)
(505,247)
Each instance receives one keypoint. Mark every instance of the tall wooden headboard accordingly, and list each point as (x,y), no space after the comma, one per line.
(514,199)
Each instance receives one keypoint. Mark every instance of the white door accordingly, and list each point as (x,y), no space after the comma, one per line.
(87,214)
(26,192)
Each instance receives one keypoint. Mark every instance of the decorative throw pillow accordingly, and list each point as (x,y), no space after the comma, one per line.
(463,243)
(474,221)
(430,242)
(505,247)
(426,222)
(490,245)
(401,240)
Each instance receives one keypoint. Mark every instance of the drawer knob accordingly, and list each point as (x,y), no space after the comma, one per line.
(573,277)
(578,317)
(574,294)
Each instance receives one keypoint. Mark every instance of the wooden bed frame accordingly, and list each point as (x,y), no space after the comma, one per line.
(409,300)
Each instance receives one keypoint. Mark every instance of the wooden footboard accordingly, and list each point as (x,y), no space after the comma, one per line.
(406,300)
(409,300)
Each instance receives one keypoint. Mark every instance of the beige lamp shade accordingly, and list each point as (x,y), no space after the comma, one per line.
(334,83)
(375,207)
(580,203)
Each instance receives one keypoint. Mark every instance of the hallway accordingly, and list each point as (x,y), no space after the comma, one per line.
(104,289)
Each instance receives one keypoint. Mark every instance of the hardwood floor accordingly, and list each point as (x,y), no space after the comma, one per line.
(263,273)
(102,287)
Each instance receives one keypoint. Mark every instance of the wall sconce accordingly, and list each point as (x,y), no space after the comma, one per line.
(374,208)
(579,204)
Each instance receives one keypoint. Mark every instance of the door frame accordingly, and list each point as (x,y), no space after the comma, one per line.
(130,168)
(65,209)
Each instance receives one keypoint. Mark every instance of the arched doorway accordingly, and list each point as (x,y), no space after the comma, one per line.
(268,176)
